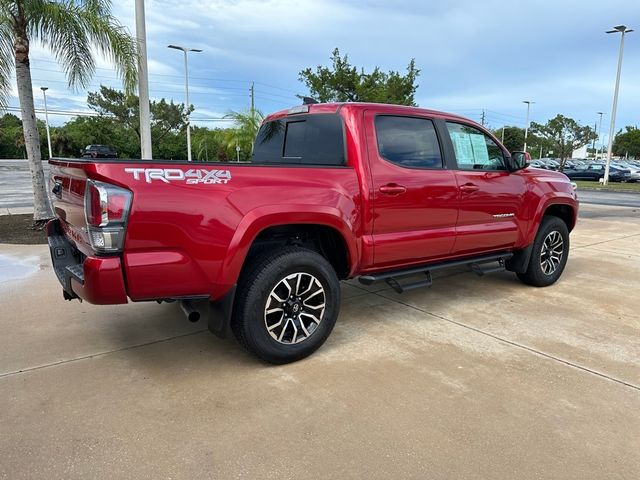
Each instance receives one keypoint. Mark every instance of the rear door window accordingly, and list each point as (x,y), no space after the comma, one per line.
(408,141)
(315,139)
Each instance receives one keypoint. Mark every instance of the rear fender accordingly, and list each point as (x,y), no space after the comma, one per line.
(265,217)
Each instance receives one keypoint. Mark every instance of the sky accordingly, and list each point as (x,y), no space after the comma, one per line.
(473,55)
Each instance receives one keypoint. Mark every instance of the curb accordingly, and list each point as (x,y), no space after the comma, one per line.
(16,210)
(617,190)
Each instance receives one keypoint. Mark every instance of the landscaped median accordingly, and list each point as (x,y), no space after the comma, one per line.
(610,187)
(18,229)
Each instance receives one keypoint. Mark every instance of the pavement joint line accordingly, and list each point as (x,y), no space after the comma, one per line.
(606,241)
(94,355)
(615,253)
(518,345)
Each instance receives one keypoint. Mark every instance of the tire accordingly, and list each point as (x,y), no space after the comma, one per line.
(287,303)
(551,242)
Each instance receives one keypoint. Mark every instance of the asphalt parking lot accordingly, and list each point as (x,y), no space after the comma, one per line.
(473,378)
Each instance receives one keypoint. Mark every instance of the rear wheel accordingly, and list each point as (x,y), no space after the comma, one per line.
(549,254)
(287,304)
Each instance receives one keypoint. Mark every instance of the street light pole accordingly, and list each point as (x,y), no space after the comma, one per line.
(598,134)
(146,151)
(526,127)
(46,118)
(186,92)
(623,30)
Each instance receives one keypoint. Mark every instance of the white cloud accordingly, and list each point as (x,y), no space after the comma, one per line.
(473,55)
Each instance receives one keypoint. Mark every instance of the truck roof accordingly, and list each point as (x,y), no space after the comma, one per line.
(334,107)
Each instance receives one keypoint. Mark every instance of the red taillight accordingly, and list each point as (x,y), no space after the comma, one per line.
(106,210)
(95,197)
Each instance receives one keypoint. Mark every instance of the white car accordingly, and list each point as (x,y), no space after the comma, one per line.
(635,171)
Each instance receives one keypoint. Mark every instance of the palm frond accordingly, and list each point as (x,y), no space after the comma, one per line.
(70,28)
(6,60)
(114,42)
(58,26)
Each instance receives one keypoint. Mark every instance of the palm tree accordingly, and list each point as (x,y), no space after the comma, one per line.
(70,29)
(245,130)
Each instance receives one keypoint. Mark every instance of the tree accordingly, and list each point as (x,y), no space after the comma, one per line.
(564,135)
(627,143)
(11,138)
(244,132)
(210,145)
(71,29)
(343,83)
(124,108)
(513,137)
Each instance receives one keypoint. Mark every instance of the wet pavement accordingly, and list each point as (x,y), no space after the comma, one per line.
(476,377)
(14,268)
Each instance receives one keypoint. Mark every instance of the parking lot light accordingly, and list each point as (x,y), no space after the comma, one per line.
(186,90)
(526,126)
(623,30)
(46,118)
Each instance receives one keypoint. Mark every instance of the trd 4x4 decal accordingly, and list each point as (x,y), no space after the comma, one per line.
(192,176)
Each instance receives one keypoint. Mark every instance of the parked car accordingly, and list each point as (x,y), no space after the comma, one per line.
(334,191)
(549,163)
(634,170)
(595,171)
(99,151)
(537,164)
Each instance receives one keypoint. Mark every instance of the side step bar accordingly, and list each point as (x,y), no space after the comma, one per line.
(481,265)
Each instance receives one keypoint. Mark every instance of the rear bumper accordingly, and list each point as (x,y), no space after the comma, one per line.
(97,280)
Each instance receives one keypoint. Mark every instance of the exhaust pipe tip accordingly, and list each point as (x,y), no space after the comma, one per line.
(190,312)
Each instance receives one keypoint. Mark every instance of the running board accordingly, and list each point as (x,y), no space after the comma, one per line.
(476,264)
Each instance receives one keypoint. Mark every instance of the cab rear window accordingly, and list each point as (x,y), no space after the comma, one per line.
(301,139)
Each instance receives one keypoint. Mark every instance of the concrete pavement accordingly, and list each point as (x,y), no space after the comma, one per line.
(473,378)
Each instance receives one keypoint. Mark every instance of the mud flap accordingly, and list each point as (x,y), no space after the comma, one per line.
(220,312)
(520,260)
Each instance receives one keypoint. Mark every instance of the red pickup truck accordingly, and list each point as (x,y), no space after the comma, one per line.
(333,191)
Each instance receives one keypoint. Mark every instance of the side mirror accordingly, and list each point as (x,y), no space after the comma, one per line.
(520,160)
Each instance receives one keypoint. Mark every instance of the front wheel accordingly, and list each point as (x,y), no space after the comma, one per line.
(549,255)
(287,304)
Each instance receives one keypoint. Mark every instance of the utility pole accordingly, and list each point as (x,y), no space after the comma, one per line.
(623,30)
(482,120)
(46,117)
(252,92)
(502,141)
(143,84)
(526,127)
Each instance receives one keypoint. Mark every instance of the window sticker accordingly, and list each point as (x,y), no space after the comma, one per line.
(463,148)
(480,150)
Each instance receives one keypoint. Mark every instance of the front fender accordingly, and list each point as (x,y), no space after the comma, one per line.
(261,218)
(546,201)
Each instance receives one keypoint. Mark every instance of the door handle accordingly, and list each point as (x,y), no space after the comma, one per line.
(469,188)
(392,189)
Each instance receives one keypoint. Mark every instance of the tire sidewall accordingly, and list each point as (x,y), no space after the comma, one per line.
(550,224)
(256,331)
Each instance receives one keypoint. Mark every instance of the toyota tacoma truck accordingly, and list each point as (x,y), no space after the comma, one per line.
(334,191)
